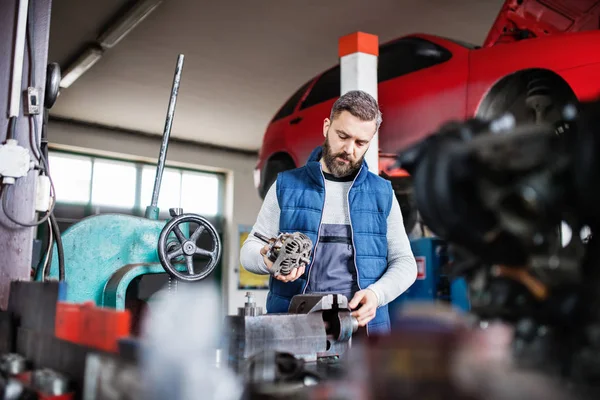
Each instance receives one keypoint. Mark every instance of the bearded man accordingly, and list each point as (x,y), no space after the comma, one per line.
(361,249)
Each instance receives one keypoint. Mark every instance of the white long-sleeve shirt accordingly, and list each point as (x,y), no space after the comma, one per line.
(402,268)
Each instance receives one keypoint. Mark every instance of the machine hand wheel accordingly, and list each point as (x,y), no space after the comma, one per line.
(187,247)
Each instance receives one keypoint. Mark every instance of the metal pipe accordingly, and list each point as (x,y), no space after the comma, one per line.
(168,124)
(19,53)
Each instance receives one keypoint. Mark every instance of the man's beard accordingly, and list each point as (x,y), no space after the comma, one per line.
(337,168)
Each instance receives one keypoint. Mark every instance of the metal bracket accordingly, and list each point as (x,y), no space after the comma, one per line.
(115,290)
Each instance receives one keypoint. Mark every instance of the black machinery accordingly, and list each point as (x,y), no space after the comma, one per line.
(500,194)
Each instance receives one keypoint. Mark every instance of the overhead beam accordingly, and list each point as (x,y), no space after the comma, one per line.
(123,24)
(153,136)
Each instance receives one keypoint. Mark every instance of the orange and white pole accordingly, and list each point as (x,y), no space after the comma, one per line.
(359,54)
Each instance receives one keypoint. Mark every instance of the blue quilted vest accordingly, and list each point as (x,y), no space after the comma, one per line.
(301,197)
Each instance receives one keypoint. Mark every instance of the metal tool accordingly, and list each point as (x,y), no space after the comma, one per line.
(339,323)
(111,378)
(277,375)
(12,364)
(317,326)
(49,382)
(287,251)
(14,389)
(152,210)
(250,308)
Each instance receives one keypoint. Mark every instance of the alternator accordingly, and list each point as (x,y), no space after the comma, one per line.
(287,251)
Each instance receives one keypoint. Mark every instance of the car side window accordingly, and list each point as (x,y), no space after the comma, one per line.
(408,55)
(290,105)
(398,58)
(326,88)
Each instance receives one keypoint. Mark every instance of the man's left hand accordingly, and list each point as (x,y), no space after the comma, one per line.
(368,301)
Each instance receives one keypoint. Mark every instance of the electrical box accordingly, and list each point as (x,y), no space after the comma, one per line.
(15,161)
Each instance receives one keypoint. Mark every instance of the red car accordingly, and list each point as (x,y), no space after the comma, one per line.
(537,57)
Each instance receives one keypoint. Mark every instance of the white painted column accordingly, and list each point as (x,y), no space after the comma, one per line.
(359,54)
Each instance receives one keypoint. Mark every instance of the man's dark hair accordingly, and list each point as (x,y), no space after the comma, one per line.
(360,104)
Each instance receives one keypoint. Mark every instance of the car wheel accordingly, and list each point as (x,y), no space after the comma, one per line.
(274,167)
(531,97)
(537,97)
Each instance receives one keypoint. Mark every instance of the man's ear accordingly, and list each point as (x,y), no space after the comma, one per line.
(326,125)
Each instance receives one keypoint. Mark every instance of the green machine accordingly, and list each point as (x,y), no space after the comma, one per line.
(104,255)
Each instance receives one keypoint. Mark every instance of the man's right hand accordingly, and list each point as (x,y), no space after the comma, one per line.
(264,251)
(294,274)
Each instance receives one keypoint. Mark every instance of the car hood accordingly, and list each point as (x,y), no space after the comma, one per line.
(525,19)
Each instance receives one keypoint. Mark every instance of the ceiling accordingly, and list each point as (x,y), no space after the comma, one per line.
(243,59)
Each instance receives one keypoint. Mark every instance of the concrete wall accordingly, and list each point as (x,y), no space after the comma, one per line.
(242,202)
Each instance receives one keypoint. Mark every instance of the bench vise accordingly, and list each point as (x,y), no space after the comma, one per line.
(316,326)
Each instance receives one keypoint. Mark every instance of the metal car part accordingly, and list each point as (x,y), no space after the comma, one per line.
(287,251)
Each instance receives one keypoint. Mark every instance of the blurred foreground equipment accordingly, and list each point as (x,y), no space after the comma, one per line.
(501,196)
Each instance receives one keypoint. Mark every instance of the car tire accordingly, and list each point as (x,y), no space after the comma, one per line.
(272,169)
(534,96)
(531,97)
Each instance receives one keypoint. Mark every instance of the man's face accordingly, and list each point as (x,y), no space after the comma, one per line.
(347,139)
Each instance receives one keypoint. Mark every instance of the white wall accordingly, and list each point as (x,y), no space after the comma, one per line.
(242,200)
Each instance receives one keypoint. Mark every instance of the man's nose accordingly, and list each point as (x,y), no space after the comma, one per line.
(348,148)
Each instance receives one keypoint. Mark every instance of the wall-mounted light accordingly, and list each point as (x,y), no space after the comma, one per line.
(127,22)
(88,58)
(109,38)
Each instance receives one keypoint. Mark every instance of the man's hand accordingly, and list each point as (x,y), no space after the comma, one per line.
(294,274)
(368,299)
(264,251)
